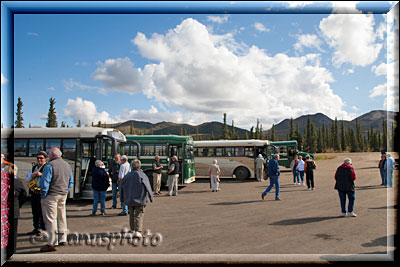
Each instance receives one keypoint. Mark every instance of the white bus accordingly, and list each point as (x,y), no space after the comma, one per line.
(80,147)
(236,158)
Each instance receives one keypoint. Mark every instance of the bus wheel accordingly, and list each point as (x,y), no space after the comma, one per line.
(241,173)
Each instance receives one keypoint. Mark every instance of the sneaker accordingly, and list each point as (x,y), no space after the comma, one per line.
(277,198)
(92,214)
(137,234)
(103,213)
(113,208)
(308,189)
(48,248)
(263,195)
(352,214)
(123,213)
(61,244)
(343,214)
(34,232)
(313,188)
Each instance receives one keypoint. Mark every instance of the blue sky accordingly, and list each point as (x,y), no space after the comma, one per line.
(191,68)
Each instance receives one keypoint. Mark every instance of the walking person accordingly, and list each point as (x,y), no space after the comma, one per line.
(173,175)
(100,184)
(260,167)
(135,189)
(157,168)
(55,183)
(300,168)
(273,173)
(382,170)
(309,167)
(389,168)
(123,170)
(293,166)
(33,179)
(214,172)
(113,171)
(345,177)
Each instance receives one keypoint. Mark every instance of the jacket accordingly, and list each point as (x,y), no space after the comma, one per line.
(273,168)
(135,188)
(345,177)
(20,196)
(56,178)
(114,171)
(100,180)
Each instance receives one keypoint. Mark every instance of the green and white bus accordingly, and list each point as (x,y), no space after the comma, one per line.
(165,146)
(287,151)
(236,158)
(80,147)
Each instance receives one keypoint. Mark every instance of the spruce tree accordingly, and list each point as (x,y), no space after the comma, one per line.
(51,115)
(225,131)
(343,137)
(79,123)
(19,122)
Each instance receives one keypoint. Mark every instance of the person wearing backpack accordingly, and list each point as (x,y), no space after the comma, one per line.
(309,167)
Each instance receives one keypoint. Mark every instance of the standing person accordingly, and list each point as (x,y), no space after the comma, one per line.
(135,188)
(293,166)
(157,168)
(260,168)
(345,177)
(55,183)
(113,171)
(214,172)
(389,168)
(5,206)
(381,167)
(123,170)
(309,167)
(300,168)
(100,183)
(20,197)
(173,175)
(33,179)
(273,173)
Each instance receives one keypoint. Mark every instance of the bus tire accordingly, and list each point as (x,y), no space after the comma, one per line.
(241,173)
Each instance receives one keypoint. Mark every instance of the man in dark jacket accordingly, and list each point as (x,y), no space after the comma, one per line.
(273,173)
(100,183)
(20,197)
(345,177)
(135,188)
(113,172)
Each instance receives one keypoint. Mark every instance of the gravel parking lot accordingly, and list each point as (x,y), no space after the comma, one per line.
(236,225)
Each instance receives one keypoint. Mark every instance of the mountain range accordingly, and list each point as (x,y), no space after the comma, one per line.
(207,130)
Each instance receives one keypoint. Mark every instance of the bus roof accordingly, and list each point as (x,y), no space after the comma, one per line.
(227,143)
(172,139)
(85,132)
(286,143)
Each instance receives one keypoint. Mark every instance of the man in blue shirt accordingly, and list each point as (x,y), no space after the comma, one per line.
(273,172)
(55,183)
(389,168)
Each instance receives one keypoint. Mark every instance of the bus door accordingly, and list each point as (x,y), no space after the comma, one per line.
(176,150)
(86,158)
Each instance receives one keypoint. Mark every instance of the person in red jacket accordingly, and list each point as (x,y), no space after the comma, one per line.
(345,177)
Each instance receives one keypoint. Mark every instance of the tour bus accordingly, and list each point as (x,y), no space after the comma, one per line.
(236,158)
(80,147)
(287,151)
(165,146)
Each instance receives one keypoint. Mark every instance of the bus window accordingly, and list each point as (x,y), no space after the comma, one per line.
(229,151)
(20,147)
(249,152)
(282,151)
(147,150)
(69,148)
(35,146)
(133,150)
(53,143)
(106,151)
(161,150)
(219,151)
(239,151)
(85,150)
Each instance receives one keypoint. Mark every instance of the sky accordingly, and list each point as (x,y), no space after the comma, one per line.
(192,68)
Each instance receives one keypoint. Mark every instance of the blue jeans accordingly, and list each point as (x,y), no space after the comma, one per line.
(99,196)
(123,206)
(302,176)
(342,196)
(296,175)
(383,176)
(389,178)
(114,194)
(273,180)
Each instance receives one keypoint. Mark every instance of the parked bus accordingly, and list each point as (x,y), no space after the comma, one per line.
(80,147)
(166,146)
(236,158)
(287,151)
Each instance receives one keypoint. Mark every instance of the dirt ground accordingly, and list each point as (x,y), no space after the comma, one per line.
(236,225)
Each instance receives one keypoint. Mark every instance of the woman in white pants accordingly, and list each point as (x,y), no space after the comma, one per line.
(214,173)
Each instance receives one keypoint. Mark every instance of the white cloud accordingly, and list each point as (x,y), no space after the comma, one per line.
(380,69)
(260,27)
(307,40)
(354,108)
(52,88)
(4,80)
(345,7)
(85,111)
(32,33)
(299,4)
(71,84)
(353,38)
(379,90)
(202,75)
(218,19)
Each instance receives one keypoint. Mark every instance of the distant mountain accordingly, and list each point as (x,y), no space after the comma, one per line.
(208,129)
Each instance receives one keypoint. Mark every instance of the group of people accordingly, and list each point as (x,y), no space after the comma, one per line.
(300,167)
(386,168)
